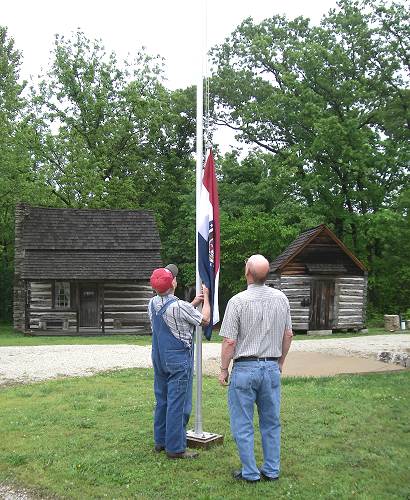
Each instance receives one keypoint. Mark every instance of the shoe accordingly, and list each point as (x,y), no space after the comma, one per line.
(183,454)
(268,478)
(158,448)
(237,474)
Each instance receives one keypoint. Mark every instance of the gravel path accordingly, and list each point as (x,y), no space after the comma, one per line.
(34,363)
(363,346)
(8,492)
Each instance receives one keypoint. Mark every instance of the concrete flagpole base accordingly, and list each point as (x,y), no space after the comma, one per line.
(204,440)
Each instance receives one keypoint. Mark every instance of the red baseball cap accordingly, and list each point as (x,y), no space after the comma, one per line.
(161,279)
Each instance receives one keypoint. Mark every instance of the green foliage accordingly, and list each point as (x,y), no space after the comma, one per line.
(108,133)
(323,110)
(97,440)
(259,213)
(330,105)
(18,179)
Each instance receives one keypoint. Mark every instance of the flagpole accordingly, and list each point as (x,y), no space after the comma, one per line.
(197,438)
(199,165)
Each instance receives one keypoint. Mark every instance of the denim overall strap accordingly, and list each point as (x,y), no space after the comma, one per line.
(164,307)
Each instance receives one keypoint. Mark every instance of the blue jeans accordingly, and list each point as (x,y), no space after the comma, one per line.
(256,382)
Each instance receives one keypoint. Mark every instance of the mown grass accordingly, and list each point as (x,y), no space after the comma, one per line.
(10,337)
(85,438)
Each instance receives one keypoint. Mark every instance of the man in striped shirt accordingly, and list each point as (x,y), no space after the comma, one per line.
(257,331)
(173,323)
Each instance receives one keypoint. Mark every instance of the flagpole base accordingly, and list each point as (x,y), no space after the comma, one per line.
(204,440)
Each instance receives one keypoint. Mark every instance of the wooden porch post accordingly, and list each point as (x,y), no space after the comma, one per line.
(27,300)
(77,292)
(102,308)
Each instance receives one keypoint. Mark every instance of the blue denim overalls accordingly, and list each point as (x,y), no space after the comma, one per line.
(172,362)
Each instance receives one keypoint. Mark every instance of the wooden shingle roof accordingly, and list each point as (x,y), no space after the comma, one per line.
(77,229)
(302,241)
(89,244)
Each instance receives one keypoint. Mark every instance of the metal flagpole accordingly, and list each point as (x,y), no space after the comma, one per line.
(199,166)
(198,438)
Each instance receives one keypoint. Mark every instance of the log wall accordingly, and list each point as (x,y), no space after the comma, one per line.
(349,302)
(296,289)
(350,299)
(125,307)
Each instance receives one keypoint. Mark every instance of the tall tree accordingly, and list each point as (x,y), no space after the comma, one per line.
(321,99)
(332,102)
(16,166)
(93,119)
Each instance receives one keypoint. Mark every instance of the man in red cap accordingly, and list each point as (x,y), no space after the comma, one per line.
(173,322)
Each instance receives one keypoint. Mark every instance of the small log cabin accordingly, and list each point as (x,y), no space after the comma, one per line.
(83,271)
(325,283)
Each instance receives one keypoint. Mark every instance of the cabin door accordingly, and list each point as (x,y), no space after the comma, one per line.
(322,295)
(88,305)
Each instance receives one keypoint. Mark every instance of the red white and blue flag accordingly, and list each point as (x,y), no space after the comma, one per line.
(209,239)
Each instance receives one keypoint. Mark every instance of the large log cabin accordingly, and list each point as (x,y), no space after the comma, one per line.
(83,271)
(325,283)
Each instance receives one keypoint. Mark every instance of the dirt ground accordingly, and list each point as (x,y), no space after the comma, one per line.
(315,364)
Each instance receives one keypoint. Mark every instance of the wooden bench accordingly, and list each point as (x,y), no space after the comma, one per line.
(53,323)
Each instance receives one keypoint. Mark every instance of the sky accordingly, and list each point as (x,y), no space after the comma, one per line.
(171,29)
(168,28)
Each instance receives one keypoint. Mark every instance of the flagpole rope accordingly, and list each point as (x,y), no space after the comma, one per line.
(207,89)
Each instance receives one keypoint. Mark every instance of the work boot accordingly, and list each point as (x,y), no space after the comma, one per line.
(268,478)
(183,454)
(237,474)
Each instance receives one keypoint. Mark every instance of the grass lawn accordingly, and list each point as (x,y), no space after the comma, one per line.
(84,438)
(10,337)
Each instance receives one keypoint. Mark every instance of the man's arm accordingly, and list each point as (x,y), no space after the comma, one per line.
(287,340)
(206,306)
(227,351)
(229,331)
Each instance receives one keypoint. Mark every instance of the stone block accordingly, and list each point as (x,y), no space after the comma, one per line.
(397,358)
(391,322)
(319,332)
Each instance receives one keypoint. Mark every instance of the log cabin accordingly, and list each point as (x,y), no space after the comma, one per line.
(83,271)
(325,283)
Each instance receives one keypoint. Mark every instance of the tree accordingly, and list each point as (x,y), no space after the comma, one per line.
(331,102)
(111,135)
(261,212)
(93,120)
(16,166)
(317,98)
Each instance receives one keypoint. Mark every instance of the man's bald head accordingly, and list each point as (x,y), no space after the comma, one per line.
(257,269)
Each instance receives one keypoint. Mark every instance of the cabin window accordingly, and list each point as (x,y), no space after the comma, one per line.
(62,295)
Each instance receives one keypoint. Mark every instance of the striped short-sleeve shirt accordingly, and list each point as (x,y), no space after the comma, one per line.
(181,317)
(257,319)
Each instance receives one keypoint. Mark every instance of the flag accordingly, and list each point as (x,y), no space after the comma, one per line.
(209,238)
